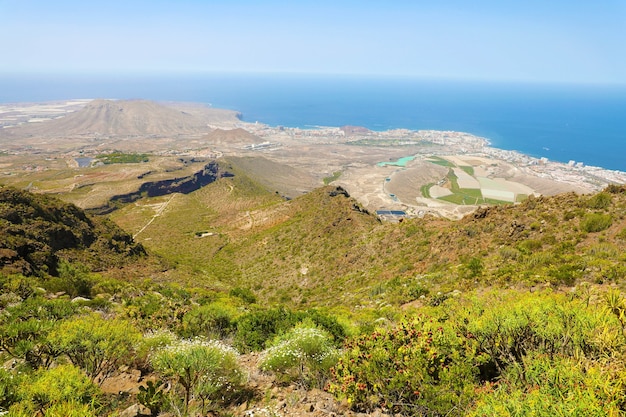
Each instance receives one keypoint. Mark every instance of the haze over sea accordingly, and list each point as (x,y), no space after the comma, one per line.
(560,122)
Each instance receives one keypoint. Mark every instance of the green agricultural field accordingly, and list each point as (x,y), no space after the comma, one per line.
(464,196)
(122,158)
(454,184)
(468,169)
(425,190)
(440,161)
(495,202)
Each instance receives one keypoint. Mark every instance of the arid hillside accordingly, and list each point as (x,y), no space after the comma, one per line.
(131,125)
(231,137)
(108,117)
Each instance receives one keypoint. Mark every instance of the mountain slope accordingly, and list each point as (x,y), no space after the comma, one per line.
(284,179)
(118,118)
(328,251)
(322,248)
(38,231)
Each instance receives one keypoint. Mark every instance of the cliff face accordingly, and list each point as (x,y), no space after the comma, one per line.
(185,185)
(37,232)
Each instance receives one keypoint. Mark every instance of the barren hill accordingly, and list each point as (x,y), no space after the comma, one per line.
(232,137)
(128,118)
(282,178)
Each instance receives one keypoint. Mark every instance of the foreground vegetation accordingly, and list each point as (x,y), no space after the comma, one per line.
(511,311)
(499,353)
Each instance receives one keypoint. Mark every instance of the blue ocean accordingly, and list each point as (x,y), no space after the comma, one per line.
(584,123)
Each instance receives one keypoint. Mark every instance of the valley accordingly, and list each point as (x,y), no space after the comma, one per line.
(172,260)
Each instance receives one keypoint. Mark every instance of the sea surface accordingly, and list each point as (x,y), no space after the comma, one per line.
(584,123)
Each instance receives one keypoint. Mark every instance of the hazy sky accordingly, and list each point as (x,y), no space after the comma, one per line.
(532,40)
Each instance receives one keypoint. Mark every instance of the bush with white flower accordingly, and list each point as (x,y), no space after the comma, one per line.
(303,355)
(206,370)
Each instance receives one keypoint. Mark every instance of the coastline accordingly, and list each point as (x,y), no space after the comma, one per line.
(13,114)
(305,157)
(577,122)
(464,143)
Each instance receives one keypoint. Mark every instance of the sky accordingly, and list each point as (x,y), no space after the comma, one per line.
(503,40)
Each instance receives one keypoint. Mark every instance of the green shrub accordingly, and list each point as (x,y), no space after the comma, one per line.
(417,290)
(304,355)
(58,385)
(70,409)
(569,215)
(41,309)
(110,286)
(214,321)
(256,328)
(538,259)
(96,345)
(152,396)
(596,222)
(509,253)
(615,304)
(603,251)
(529,246)
(508,326)
(546,386)
(150,343)
(73,279)
(507,343)
(566,272)
(328,323)
(9,383)
(600,201)
(473,267)
(155,310)
(98,304)
(207,370)
(419,367)
(24,329)
(17,284)
(244,293)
